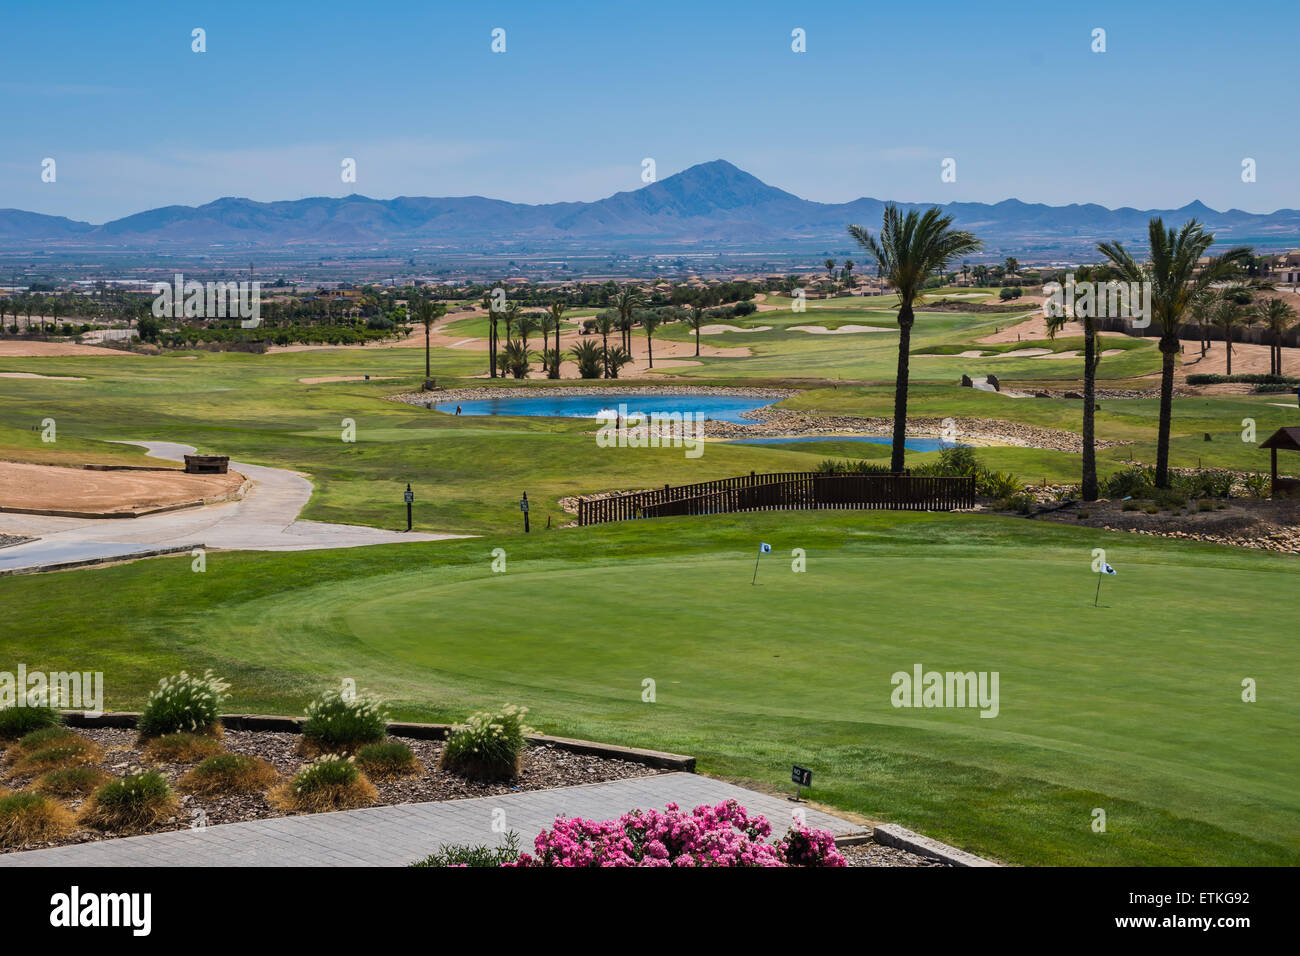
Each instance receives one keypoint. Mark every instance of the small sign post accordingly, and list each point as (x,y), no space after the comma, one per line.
(523,506)
(801,777)
(408,496)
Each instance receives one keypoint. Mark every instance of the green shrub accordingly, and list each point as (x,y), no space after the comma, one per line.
(1135,481)
(70,752)
(229,773)
(184,703)
(338,722)
(135,802)
(389,759)
(463,854)
(488,746)
(31,818)
(1257,486)
(1021,503)
(998,484)
(330,782)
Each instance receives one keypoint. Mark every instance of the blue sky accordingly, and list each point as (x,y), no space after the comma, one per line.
(585,91)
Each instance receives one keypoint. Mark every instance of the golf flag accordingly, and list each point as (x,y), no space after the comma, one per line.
(763,548)
(1107,569)
(767,549)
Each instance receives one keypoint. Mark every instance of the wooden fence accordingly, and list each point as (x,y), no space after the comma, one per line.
(783,491)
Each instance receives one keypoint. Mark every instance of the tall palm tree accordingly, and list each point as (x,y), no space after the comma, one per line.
(605,325)
(1201,308)
(511,316)
(553,323)
(830,271)
(650,321)
(492,334)
(1088,488)
(626,302)
(1277,316)
(911,248)
(1227,315)
(1175,282)
(695,319)
(428,313)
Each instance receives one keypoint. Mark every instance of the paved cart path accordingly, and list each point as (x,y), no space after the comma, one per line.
(266,519)
(396,836)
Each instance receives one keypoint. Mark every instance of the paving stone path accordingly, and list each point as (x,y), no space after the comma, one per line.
(399,835)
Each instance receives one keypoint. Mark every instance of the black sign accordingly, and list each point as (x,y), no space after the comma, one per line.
(801,775)
(408,496)
(523,504)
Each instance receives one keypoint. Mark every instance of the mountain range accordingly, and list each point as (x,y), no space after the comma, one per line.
(710,205)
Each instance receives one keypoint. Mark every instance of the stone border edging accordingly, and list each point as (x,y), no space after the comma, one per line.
(890,834)
(109,559)
(293,725)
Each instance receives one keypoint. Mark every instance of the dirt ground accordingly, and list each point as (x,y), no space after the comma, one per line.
(19,349)
(48,487)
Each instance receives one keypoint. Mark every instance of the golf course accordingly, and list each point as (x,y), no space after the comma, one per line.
(1129,700)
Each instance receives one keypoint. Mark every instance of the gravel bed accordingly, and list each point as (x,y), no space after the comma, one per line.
(877,854)
(543,768)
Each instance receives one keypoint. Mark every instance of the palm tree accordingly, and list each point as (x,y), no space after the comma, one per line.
(626,302)
(605,325)
(847,271)
(1277,316)
(1012,264)
(511,315)
(589,358)
(615,359)
(1201,308)
(911,249)
(650,321)
(492,334)
(550,358)
(516,358)
(525,326)
(695,319)
(4,307)
(1175,282)
(1227,315)
(1088,488)
(830,271)
(555,320)
(428,313)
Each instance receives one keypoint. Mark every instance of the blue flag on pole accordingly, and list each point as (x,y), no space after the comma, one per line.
(1107,569)
(767,549)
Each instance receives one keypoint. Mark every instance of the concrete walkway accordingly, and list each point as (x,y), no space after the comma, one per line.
(396,836)
(266,519)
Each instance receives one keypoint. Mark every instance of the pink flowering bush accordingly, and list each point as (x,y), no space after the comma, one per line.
(725,835)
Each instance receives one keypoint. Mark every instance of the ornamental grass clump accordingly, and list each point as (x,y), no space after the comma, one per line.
(71,751)
(136,802)
(71,781)
(340,723)
(37,712)
(722,835)
(181,748)
(229,773)
(387,760)
(45,737)
(28,817)
(330,782)
(488,746)
(184,703)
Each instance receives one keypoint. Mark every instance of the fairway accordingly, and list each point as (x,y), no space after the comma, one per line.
(1133,707)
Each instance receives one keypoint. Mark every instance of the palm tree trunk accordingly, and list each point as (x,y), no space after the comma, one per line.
(604,348)
(905,320)
(1168,349)
(1089,489)
(697,341)
(1228,336)
(650,348)
(492,348)
(426,352)
(1277,348)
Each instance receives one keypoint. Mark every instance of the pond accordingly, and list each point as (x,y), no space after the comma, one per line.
(720,408)
(911,444)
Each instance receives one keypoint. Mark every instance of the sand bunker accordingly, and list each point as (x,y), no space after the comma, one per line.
(26,487)
(16,349)
(842,330)
(719,329)
(1026,353)
(345,378)
(53,378)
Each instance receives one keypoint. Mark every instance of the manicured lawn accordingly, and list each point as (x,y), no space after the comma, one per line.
(1133,707)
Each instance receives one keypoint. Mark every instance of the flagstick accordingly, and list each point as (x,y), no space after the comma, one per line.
(757,557)
(1098,594)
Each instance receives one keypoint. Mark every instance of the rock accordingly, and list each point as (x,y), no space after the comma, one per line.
(993,380)
(1073,395)
(966,381)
